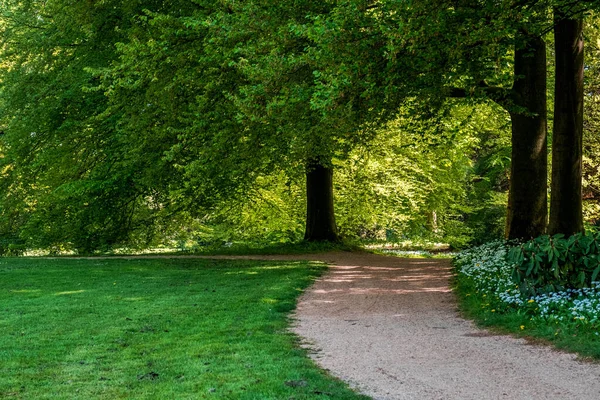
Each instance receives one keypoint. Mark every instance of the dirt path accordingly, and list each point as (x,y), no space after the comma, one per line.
(389,327)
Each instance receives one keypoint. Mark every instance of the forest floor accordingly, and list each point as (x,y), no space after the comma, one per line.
(390,327)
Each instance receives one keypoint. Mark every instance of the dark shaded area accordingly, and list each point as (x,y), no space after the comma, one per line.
(527,201)
(567,139)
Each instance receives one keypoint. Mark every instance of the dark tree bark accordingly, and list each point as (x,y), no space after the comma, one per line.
(320,218)
(565,196)
(527,203)
(527,211)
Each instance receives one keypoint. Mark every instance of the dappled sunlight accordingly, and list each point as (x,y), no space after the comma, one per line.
(343,277)
(352,273)
(415,278)
(376,290)
(134,299)
(323,291)
(69,292)
(242,273)
(381,268)
(338,280)
(407,277)
(347,266)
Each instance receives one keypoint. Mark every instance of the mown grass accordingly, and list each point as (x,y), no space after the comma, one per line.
(155,329)
(489,313)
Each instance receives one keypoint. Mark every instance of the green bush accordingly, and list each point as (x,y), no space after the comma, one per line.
(551,263)
(12,247)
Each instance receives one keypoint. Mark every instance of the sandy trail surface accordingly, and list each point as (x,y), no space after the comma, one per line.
(389,326)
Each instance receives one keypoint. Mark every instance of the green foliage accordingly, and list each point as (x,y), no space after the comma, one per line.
(552,263)
(65,178)
(272,211)
(138,123)
(149,328)
(12,247)
(431,179)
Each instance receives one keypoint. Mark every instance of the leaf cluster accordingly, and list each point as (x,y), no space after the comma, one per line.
(554,263)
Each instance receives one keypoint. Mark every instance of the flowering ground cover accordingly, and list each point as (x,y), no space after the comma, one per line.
(488,293)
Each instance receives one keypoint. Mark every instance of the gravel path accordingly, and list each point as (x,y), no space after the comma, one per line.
(389,326)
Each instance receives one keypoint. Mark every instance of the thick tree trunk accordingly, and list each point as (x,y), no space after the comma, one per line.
(527,204)
(565,195)
(320,219)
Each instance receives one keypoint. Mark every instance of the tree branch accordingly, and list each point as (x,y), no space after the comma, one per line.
(499,95)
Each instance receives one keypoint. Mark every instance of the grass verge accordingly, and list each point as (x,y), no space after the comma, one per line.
(155,329)
(488,312)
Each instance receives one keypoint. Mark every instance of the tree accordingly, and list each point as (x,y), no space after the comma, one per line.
(238,103)
(275,60)
(431,50)
(527,202)
(591,146)
(71,178)
(566,214)
(320,216)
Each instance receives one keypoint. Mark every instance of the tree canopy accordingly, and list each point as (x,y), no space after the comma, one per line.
(134,123)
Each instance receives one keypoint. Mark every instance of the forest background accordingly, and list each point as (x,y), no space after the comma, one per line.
(191,123)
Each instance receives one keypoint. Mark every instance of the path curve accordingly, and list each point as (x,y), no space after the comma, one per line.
(389,326)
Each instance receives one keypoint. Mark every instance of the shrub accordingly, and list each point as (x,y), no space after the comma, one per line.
(12,247)
(487,292)
(554,263)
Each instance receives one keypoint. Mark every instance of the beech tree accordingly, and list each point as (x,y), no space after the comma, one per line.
(274,59)
(527,203)
(566,214)
(239,85)
(591,120)
(525,101)
(71,179)
(434,50)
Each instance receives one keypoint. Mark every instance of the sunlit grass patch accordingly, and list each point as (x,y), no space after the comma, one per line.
(155,329)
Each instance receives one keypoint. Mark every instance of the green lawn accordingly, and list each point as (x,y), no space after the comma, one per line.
(155,329)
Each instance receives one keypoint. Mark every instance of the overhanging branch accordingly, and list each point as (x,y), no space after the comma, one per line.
(499,95)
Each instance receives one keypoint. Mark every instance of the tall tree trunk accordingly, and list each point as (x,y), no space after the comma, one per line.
(565,196)
(320,218)
(527,203)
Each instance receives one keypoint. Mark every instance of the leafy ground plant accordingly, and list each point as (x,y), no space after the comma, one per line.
(488,293)
(554,263)
(155,329)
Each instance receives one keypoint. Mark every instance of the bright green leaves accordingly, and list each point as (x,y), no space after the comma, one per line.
(69,160)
